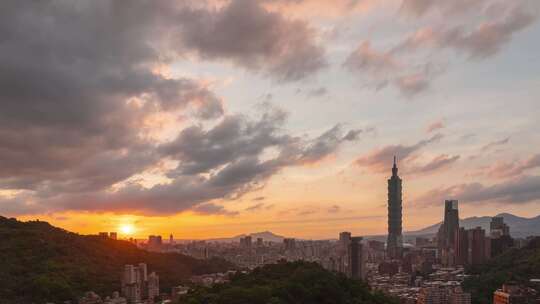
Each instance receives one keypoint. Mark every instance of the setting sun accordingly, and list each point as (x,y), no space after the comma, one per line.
(127,229)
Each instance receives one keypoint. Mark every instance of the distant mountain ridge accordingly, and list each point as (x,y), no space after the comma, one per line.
(267,236)
(519,226)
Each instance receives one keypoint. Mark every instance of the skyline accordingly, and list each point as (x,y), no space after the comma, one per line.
(213,118)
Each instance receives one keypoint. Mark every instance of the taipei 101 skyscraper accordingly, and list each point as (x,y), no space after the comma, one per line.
(394,244)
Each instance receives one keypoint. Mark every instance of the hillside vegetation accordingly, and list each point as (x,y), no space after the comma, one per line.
(39,263)
(518,265)
(284,283)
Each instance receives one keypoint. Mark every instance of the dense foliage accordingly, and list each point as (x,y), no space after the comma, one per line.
(40,263)
(518,265)
(298,282)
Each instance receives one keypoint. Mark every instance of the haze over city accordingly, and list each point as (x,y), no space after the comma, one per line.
(214,118)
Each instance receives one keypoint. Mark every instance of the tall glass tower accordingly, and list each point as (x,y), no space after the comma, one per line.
(394,244)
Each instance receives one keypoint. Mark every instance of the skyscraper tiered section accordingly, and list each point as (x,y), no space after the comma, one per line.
(394,244)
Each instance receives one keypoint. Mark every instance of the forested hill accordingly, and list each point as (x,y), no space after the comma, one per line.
(518,265)
(39,263)
(289,283)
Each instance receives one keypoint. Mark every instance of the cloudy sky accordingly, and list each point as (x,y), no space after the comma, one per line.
(219,117)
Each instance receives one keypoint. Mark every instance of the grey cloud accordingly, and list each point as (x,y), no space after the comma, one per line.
(252,37)
(210,208)
(367,59)
(379,160)
(455,7)
(234,137)
(495,144)
(383,68)
(318,92)
(327,143)
(224,162)
(353,135)
(523,190)
(68,70)
(481,42)
(79,83)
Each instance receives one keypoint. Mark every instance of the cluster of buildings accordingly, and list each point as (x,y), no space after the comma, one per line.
(460,246)
(93,298)
(511,293)
(111,235)
(430,271)
(138,286)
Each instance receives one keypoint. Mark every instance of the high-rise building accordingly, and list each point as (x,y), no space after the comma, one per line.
(153,286)
(344,241)
(137,285)
(171,239)
(394,244)
(446,236)
(498,228)
(113,235)
(131,284)
(500,239)
(260,242)
(154,241)
(357,258)
(246,242)
(462,247)
(476,238)
(289,243)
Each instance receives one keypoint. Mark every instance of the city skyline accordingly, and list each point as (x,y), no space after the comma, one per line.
(214,118)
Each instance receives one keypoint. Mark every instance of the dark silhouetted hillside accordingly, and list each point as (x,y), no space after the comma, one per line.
(39,263)
(289,283)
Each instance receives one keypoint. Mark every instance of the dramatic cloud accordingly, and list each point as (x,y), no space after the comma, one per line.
(77,85)
(226,161)
(435,164)
(380,159)
(253,37)
(83,95)
(525,189)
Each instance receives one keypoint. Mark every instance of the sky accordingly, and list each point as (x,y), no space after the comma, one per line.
(213,118)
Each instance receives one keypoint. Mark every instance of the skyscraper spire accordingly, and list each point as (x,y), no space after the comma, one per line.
(394,167)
